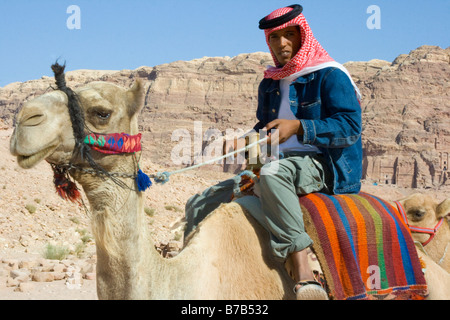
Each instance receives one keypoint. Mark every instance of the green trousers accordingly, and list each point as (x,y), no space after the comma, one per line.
(279,186)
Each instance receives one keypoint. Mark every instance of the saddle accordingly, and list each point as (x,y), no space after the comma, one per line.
(364,248)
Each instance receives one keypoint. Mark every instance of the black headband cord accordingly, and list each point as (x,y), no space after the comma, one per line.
(275,22)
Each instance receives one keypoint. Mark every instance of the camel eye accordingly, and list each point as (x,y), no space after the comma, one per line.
(416,214)
(102,115)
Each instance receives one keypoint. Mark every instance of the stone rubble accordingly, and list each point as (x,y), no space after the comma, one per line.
(20,274)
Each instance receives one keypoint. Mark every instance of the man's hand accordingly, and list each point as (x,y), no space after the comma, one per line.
(285,129)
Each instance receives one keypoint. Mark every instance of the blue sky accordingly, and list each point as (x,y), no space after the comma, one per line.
(118,34)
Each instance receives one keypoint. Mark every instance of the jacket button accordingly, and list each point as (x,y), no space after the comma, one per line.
(273,110)
(278,93)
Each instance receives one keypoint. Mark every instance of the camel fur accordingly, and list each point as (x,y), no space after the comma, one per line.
(227,257)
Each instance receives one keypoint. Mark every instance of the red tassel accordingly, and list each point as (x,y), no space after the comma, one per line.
(66,189)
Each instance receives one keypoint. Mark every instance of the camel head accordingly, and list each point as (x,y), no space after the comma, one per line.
(44,128)
(423,211)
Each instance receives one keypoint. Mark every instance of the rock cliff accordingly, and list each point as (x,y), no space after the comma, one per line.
(406,109)
(406,118)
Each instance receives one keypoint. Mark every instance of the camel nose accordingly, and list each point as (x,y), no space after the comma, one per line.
(32,119)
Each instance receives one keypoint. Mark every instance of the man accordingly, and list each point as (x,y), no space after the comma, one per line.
(313,104)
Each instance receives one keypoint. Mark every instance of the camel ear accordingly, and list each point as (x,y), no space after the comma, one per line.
(443,209)
(135,97)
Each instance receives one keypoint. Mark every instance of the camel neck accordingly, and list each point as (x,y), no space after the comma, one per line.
(122,241)
(128,265)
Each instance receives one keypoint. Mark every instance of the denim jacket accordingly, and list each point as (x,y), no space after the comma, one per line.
(325,102)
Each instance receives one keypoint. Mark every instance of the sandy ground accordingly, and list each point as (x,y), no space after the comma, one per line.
(25,234)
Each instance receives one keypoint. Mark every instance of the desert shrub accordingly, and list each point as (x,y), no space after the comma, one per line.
(75,220)
(173,208)
(149,211)
(54,252)
(31,208)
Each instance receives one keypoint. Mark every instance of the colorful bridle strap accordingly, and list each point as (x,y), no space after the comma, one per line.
(430,231)
(119,143)
(114,143)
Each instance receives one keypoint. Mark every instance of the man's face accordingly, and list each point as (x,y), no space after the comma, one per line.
(285,43)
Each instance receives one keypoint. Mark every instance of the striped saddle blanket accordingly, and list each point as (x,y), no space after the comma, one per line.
(363,246)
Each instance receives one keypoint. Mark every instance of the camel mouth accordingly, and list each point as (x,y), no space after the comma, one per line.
(28,161)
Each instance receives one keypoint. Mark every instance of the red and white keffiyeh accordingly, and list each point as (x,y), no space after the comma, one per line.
(310,54)
(310,57)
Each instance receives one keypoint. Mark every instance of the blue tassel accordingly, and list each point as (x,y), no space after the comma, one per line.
(143,181)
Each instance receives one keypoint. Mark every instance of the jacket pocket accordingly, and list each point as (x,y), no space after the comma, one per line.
(310,110)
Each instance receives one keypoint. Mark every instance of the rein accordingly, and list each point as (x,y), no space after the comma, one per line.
(120,143)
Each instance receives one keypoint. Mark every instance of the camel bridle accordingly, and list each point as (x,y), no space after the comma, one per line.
(430,231)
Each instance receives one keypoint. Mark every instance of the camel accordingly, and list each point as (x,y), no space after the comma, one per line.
(228,255)
(423,211)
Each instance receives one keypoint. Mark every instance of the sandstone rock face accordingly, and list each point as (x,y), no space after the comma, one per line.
(406,109)
(406,118)
(220,93)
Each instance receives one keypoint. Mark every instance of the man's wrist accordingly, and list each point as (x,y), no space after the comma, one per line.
(300,130)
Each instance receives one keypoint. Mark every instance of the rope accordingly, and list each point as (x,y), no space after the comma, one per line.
(445,253)
(163,177)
